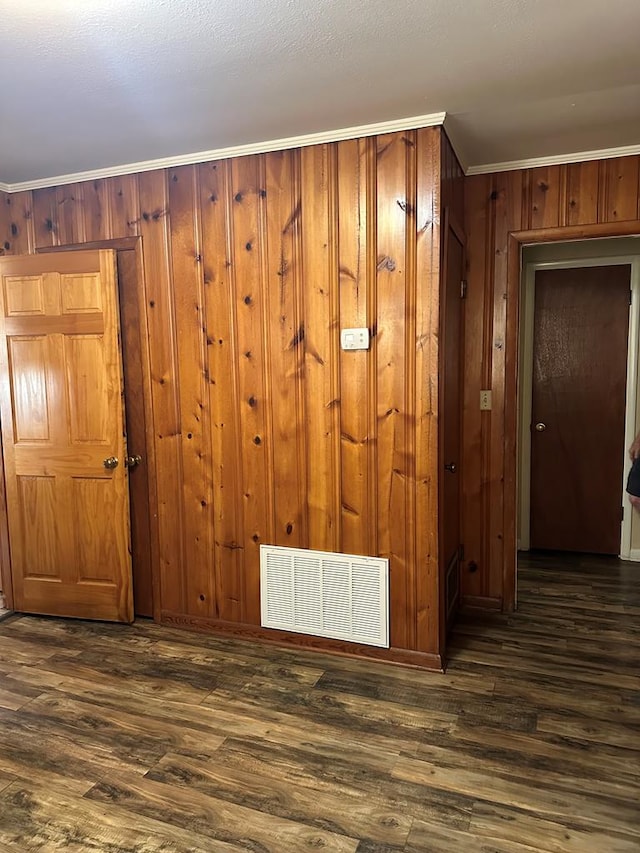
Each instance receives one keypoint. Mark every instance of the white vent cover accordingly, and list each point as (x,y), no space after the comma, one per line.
(341,596)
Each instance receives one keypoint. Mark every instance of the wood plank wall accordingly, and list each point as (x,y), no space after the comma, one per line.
(265,431)
(546,199)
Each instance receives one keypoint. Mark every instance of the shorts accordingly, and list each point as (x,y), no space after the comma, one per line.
(633,481)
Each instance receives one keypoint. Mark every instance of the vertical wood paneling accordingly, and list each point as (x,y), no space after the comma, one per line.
(408,466)
(582,193)
(123,205)
(221,342)
(355,489)
(372,313)
(45,218)
(320,334)
(452,184)
(286,365)
(507,211)
(545,193)
(246,202)
(264,430)
(619,189)
(154,228)
(474,422)
(496,205)
(17,236)
(95,209)
(70,214)
(391,286)
(427,226)
(192,381)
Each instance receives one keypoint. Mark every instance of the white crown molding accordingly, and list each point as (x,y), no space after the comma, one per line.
(357,132)
(554,160)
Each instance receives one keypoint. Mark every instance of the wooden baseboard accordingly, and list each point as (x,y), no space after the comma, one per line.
(480,602)
(305,642)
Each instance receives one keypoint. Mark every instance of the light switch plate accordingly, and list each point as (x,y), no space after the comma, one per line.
(354,339)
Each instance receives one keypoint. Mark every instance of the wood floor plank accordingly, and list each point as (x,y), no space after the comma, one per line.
(336,770)
(6,779)
(30,747)
(138,739)
(597,731)
(548,803)
(42,818)
(285,790)
(499,824)
(577,758)
(427,837)
(548,776)
(216,819)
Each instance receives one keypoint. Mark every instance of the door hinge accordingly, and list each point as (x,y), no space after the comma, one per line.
(463,289)
(621,513)
(631,297)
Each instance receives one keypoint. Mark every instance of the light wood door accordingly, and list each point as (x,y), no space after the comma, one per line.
(581,323)
(62,417)
(451,408)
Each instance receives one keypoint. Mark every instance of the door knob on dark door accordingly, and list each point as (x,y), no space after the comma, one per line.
(132,461)
(451,466)
(540,427)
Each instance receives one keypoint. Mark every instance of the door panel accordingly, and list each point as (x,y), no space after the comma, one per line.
(89,399)
(62,415)
(581,322)
(37,502)
(29,401)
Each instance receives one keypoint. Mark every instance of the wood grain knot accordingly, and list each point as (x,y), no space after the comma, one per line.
(386,263)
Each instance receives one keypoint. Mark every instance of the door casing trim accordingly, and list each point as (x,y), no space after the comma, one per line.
(516,241)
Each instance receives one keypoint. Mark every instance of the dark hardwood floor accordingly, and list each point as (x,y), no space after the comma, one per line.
(150,740)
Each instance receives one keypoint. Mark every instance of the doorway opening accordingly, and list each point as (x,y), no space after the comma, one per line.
(578,396)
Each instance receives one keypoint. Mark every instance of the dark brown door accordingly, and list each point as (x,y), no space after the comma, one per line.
(581,326)
(450,402)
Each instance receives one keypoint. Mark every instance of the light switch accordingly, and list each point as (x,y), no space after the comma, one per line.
(354,339)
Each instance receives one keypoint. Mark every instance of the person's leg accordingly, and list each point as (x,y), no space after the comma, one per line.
(633,484)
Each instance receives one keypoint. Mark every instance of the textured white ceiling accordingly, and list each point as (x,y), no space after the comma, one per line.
(89,84)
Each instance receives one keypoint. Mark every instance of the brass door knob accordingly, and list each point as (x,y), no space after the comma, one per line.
(540,427)
(451,466)
(132,461)
(110,462)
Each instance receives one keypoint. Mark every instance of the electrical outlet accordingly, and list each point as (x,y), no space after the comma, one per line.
(485,400)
